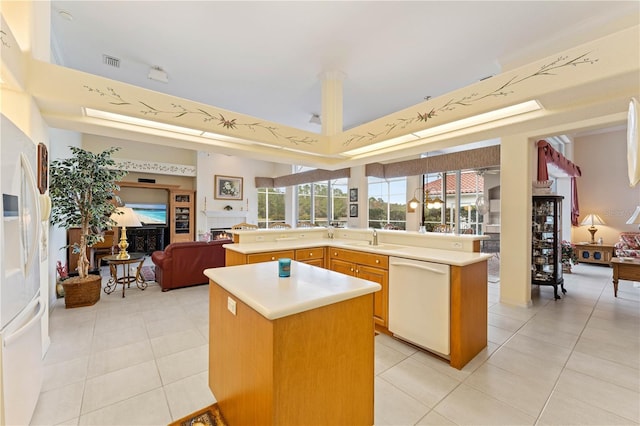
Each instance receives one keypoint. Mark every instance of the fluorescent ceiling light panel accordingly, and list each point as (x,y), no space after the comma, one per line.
(464,123)
(126,119)
(89,112)
(483,118)
(381,145)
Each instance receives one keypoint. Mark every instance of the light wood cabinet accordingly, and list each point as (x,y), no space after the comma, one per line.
(312,256)
(308,368)
(595,253)
(181,208)
(269,256)
(368,266)
(234,258)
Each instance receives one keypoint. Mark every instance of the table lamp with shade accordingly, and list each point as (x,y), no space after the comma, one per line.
(635,218)
(124,217)
(592,220)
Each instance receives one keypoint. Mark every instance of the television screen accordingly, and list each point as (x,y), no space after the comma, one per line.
(150,214)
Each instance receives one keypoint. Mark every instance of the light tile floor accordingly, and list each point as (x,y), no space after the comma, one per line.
(143,360)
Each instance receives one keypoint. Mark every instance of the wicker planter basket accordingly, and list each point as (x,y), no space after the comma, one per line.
(83,293)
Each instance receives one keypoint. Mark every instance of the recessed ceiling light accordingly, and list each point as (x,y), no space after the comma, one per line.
(66,15)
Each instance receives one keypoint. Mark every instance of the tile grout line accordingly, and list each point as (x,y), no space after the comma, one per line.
(564,366)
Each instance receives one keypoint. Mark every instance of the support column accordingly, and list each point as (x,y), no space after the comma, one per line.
(517,157)
(331,102)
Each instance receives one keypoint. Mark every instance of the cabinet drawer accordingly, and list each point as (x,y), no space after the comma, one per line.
(311,253)
(269,256)
(362,258)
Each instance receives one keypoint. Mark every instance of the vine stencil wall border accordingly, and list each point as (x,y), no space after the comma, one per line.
(503,90)
(155,167)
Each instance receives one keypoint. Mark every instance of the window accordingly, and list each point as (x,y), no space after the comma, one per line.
(323,203)
(459,209)
(270,206)
(387,202)
(433,184)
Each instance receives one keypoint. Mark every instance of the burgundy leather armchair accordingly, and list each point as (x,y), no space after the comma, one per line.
(182,264)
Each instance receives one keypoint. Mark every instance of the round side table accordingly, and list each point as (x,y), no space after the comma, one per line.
(129,274)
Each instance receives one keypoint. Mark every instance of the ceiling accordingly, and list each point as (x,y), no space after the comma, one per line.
(266,59)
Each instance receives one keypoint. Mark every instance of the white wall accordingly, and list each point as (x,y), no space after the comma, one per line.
(603,187)
(60,141)
(210,164)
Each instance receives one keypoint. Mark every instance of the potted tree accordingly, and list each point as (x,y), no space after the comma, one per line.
(83,195)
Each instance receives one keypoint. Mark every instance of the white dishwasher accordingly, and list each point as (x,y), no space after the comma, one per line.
(419,303)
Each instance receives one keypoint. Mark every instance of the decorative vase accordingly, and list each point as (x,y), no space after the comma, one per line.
(79,292)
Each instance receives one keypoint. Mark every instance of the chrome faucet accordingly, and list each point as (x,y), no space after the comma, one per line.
(374,242)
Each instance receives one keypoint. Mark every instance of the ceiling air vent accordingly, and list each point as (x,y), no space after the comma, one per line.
(111,61)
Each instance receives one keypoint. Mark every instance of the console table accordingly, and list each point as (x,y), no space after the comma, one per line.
(595,253)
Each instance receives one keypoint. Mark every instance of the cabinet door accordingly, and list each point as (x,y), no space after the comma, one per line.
(338,265)
(269,256)
(380,298)
(315,262)
(312,256)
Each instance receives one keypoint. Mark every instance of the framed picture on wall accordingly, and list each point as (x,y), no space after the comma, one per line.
(353,210)
(227,188)
(353,195)
(43,168)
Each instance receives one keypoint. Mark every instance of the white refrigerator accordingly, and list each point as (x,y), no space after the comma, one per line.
(21,308)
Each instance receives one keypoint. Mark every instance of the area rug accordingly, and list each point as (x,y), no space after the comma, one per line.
(148,273)
(209,416)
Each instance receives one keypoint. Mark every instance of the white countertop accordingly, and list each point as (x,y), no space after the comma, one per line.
(448,257)
(308,287)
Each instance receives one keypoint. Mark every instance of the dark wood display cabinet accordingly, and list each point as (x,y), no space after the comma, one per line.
(546,250)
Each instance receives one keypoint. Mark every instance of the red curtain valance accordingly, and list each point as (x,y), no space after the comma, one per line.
(547,154)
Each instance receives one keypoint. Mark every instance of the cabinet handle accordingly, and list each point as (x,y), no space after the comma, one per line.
(310,254)
(351,269)
(273,258)
(377,260)
(357,271)
(335,254)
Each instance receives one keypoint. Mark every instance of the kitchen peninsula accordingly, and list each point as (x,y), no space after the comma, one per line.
(294,350)
(461,329)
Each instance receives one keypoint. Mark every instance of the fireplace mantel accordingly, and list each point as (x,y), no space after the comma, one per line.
(224,218)
(226,213)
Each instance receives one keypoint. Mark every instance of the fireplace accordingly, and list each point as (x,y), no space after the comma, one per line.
(219,234)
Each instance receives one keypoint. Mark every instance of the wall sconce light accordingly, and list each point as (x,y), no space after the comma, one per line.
(592,219)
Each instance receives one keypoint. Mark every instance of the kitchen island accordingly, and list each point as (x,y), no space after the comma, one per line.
(461,330)
(296,350)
